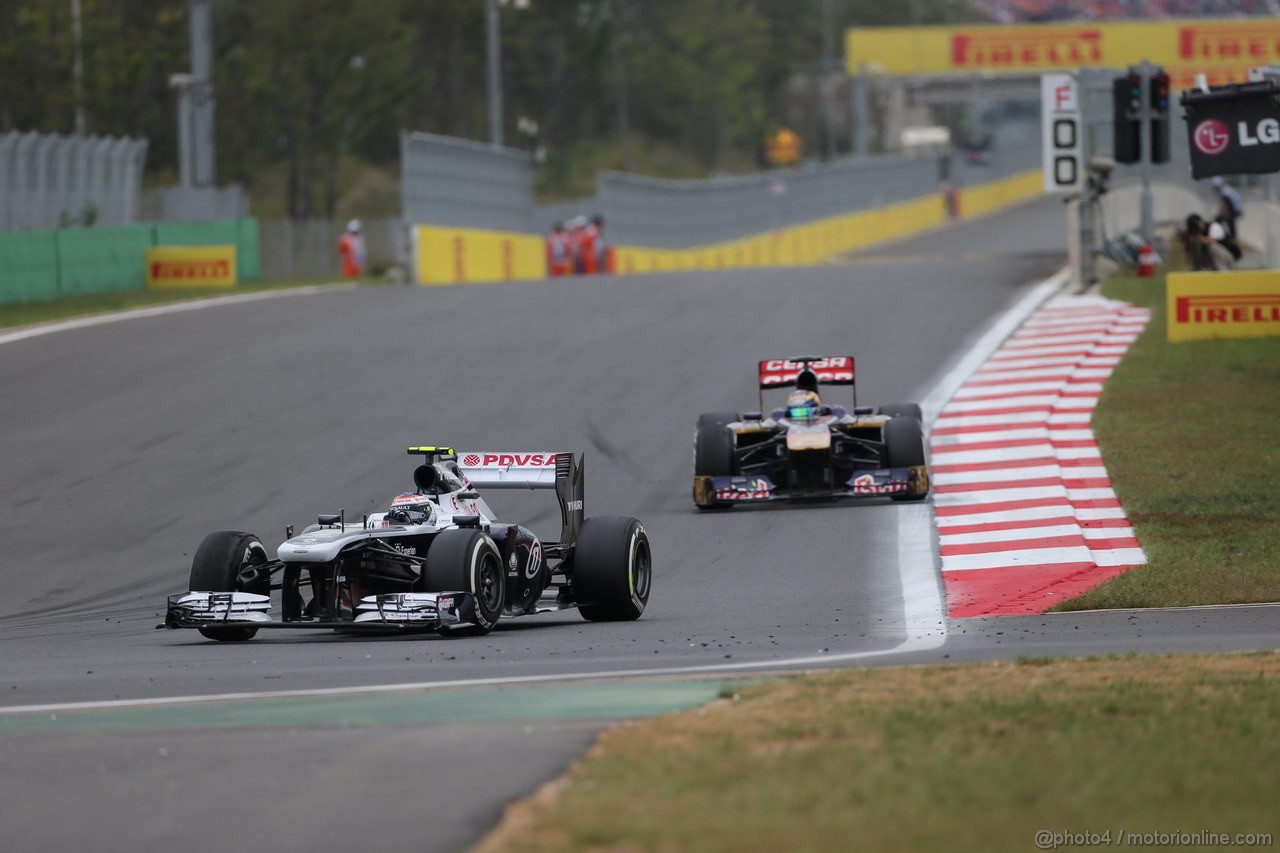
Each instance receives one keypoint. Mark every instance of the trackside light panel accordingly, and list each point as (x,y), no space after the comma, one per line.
(1160,92)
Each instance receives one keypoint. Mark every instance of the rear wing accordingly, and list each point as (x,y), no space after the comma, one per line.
(541,470)
(824,370)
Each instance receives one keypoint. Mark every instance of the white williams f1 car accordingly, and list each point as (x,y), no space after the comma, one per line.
(436,560)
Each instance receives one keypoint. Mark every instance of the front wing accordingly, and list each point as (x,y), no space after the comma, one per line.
(759,488)
(418,611)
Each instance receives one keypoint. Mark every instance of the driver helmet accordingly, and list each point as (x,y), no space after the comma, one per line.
(411,507)
(803,405)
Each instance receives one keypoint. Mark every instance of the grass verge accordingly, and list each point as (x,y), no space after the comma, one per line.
(977,757)
(103,303)
(1189,433)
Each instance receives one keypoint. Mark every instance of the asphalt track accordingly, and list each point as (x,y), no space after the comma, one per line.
(127,442)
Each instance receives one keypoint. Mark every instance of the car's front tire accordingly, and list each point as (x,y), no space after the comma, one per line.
(714,453)
(904,448)
(218,566)
(612,569)
(467,560)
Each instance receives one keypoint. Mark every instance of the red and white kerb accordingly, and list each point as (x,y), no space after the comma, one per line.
(1025,512)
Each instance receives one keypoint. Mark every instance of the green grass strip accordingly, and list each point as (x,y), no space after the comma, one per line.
(1190,434)
(954,758)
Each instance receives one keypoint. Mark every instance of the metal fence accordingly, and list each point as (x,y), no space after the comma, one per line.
(308,248)
(52,181)
(467,184)
(446,181)
(194,204)
(676,214)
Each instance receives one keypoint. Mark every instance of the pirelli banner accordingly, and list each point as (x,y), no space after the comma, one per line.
(176,267)
(1222,49)
(1223,305)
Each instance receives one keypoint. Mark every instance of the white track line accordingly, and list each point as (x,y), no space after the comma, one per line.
(924,609)
(36,331)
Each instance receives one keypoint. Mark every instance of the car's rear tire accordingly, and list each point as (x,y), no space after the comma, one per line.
(904,448)
(217,567)
(467,560)
(612,569)
(911,410)
(713,450)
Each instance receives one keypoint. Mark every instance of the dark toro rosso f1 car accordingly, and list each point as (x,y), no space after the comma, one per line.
(808,449)
(436,560)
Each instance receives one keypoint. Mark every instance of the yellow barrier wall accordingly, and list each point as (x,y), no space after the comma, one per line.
(988,198)
(458,255)
(799,245)
(1222,305)
(471,256)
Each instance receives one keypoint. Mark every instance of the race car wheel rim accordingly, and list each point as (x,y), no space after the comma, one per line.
(640,572)
(490,585)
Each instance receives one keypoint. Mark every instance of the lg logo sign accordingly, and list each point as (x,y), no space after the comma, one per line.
(1212,137)
(1232,130)
(1267,133)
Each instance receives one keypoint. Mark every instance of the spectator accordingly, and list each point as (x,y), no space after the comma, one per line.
(1195,239)
(1206,244)
(602,252)
(351,248)
(589,245)
(559,254)
(1223,256)
(1221,227)
(1230,208)
(577,232)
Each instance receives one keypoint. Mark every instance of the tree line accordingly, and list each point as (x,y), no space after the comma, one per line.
(306,84)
